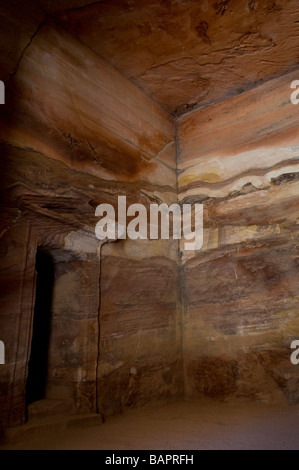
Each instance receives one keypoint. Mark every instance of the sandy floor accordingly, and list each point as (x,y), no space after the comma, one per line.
(183,425)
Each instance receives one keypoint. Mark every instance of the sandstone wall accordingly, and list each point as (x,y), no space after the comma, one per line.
(75,133)
(240,159)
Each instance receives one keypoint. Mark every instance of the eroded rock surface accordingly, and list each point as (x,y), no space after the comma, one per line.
(189,54)
(89,92)
(240,159)
(76,133)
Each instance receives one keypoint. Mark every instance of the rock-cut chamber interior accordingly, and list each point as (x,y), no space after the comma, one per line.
(182,104)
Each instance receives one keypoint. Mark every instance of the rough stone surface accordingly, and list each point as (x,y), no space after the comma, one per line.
(186,54)
(240,159)
(76,133)
(90,89)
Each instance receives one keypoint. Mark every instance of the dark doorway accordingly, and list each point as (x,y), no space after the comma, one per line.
(37,366)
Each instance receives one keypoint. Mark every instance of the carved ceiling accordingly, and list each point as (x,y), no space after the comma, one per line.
(187,54)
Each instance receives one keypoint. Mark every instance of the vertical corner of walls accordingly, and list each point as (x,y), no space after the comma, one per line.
(177,150)
(181,301)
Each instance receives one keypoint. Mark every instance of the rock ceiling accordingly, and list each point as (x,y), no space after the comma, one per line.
(187,54)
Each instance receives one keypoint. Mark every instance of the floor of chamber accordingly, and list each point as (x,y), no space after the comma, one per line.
(181,425)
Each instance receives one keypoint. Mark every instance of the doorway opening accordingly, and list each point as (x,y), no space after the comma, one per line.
(38,361)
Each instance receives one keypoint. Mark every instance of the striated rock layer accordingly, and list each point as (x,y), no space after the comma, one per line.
(75,133)
(240,159)
(133,321)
